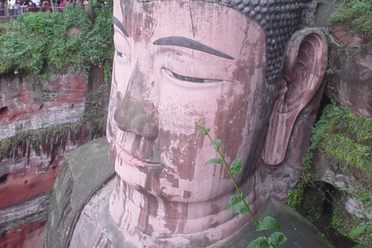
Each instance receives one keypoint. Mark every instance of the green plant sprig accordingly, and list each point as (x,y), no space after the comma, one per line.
(238,202)
(221,157)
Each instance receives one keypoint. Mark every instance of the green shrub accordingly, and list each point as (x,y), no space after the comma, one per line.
(345,136)
(39,42)
(355,13)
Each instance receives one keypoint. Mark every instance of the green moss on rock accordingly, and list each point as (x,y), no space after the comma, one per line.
(64,39)
(47,140)
(344,140)
(357,14)
(346,137)
(357,229)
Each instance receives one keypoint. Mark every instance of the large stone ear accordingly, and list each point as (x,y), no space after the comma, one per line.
(305,62)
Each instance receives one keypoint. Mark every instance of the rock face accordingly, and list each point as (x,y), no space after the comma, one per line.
(73,191)
(349,82)
(343,159)
(31,103)
(84,171)
(41,120)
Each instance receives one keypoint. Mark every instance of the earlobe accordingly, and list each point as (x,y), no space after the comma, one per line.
(305,62)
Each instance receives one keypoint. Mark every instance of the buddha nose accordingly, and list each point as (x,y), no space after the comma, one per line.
(134,113)
(135,116)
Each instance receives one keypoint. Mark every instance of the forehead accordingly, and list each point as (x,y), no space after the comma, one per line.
(213,24)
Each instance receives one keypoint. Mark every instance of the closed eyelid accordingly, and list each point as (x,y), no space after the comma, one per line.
(190,79)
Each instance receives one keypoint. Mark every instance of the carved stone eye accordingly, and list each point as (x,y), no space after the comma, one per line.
(190,79)
(120,54)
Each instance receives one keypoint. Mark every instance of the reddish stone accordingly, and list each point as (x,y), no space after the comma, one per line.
(28,235)
(350,77)
(343,36)
(29,166)
(28,103)
(26,184)
(30,170)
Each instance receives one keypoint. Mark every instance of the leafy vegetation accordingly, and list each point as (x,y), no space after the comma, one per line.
(37,43)
(355,13)
(346,139)
(357,229)
(238,203)
(342,135)
(345,136)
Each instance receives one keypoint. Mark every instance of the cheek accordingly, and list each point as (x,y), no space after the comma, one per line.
(121,75)
(220,107)
(230,121)
(183,104)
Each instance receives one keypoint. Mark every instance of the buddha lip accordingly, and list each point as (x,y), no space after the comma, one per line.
(131,160)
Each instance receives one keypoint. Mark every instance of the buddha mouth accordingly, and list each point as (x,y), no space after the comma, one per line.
(125,157)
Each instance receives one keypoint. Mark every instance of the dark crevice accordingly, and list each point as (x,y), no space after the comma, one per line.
(323,196)
(3,178)
(3,111)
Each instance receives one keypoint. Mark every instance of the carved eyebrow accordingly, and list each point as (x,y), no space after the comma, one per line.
(189,43)
(118,24)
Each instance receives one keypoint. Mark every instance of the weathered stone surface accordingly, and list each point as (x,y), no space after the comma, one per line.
(41,120)
(332,171)
(350,74)
(166,196)
(12,217)
(351,181)
(84,171)
(28,235)
(31,103)
(22,226)
(104,233)
(299,231)
(30,163)
(26,184)
(323,10)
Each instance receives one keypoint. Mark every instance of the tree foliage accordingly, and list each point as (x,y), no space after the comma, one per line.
(36,43)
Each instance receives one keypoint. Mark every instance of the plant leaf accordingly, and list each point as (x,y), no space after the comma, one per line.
(268,223)
(215,161)
(277,239)
(204,130)
(216,144)
(260,242)
(236,166)
(241,207)
(235,199)
(236,203)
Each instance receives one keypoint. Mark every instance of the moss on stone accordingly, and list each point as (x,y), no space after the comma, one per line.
(346,137)
(47,138)
(357,229)
(348,151)
(365,198)
(295,195)
(346,141)
(357,14)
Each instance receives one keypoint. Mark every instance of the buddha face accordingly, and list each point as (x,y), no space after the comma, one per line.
(179,64)
(175,67)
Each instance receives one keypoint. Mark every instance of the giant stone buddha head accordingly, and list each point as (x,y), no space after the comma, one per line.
(238,67)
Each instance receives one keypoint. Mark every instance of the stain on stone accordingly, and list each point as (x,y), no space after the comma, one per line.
(200,241)
(4,178)
(175,216)
(186,194)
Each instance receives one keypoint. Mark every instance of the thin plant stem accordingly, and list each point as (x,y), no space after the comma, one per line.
(226,165)
(237,190)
